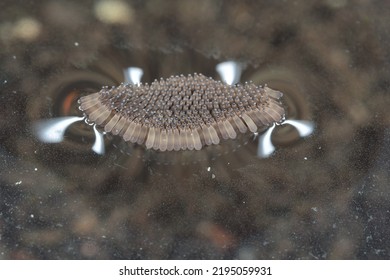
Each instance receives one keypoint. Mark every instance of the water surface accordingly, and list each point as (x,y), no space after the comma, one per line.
(325,196)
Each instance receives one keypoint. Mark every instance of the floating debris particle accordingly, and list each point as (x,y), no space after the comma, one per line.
(114,12)
(27,29)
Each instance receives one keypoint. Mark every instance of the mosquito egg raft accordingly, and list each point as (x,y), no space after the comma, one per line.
(182,112)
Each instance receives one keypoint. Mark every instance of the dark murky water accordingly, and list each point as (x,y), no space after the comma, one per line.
(325,196)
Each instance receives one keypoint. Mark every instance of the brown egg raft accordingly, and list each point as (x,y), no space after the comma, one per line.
(182,112)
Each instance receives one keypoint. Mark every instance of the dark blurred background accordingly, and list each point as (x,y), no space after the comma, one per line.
(326,196)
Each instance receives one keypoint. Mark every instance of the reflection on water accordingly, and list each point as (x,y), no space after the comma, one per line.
(229,71)
(323,196)
(265,146)
(133,75)
(53,130)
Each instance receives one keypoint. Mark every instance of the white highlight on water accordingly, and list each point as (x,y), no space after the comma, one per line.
(304,128)
(53,131)
(98,146)
(265,148)
(133,75)
(229,71)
